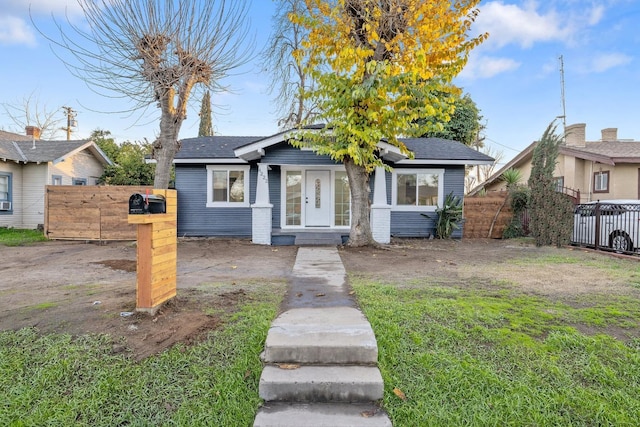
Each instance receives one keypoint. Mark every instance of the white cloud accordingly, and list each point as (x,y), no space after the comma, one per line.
(604,62)
(595,15)
(42,6)
(484,67)
(15,30)
(524,26)
(15,17)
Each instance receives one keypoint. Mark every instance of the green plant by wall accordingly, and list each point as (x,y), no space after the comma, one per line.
(550,210)
(519,196)
(511,177)
(449,216)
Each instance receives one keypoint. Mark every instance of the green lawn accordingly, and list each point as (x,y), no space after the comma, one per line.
(464,356)
(58,380)
(461,356)
(17,237)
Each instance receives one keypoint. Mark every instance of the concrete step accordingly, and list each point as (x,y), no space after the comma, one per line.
(318,239)
(329,335)
(321,383)
(321,415)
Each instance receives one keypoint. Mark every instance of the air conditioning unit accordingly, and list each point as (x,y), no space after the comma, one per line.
(5,206)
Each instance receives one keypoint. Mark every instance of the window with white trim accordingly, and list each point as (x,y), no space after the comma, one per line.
(227,186)
(601,182)
(420,189)
(5,187)
(5,192)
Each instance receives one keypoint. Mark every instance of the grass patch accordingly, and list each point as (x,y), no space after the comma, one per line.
(19,237)
(498,357)
(61,380)
(41,306)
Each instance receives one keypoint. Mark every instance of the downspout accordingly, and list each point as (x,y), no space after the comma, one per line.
(591,181)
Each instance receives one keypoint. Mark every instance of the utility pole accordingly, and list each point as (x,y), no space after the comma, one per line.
(71,121)
(564,109)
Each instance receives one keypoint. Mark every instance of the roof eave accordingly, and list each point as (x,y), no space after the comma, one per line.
(391,152)
(458,162)
(255,150)
(585,155)
(205,161)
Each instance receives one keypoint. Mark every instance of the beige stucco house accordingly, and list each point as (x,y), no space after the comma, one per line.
(605,169)
(28,165)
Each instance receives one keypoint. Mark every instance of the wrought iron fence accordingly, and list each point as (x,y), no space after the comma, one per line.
(612,225)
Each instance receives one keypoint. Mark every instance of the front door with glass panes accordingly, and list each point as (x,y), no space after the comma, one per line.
(317,198)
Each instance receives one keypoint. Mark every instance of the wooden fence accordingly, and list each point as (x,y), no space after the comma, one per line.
(76,212)
(479,214)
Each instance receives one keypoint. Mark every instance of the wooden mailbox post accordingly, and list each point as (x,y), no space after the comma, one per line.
(156,254)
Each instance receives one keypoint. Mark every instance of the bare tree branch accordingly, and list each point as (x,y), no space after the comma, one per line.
(289,81)
(156,51)
(30,112)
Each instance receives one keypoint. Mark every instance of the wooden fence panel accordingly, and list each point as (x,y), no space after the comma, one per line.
(77,212)
(479,213)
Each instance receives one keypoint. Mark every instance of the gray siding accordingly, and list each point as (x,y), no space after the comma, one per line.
(284,154)
(414,224)
(274,195)
(195,219)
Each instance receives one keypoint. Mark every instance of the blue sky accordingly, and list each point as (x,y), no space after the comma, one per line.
(514,77)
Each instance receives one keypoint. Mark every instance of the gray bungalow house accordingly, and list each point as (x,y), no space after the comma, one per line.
(274,193)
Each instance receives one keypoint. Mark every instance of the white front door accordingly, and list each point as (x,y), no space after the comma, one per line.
(318,199)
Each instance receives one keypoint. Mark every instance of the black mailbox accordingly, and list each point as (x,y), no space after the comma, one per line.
(149,203)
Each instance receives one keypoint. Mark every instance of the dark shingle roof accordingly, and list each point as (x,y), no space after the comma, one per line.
(10,136)
(442,149)
(222,147)
(213,147)
(43,151)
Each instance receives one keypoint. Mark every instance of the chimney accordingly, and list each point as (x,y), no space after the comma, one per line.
(33,131)
(610,134)
(575,135)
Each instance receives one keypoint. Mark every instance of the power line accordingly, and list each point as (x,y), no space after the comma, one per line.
(501,145)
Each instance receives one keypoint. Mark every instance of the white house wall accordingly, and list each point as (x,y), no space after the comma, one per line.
(13,219)
(82,165)
(34,177)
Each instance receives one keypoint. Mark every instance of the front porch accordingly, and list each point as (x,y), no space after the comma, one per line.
(314,207)
(288,237)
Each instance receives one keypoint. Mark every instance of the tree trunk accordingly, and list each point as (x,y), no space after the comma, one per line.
(360,234)
(165,149)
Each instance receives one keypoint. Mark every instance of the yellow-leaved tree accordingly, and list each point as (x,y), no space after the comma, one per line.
(380,65)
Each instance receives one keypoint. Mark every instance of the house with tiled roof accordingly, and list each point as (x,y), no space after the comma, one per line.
(29,164)
(608,168)
(267,189)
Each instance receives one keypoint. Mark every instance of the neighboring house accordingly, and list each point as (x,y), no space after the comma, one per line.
(597,170)
(266,189)
(28,164)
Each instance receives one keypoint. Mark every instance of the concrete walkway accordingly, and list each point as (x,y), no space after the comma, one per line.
(320,354)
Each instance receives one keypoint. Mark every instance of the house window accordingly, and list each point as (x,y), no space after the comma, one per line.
(342,199)
(293,202)
(227,186)
(601,182)
(56,180)
(559,183)
(5,192)
(418,189)
(78,181)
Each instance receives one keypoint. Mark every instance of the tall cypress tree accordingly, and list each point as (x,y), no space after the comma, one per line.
(206,126)
(550,210)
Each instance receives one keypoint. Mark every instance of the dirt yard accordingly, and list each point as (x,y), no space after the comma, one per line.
(77,287)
